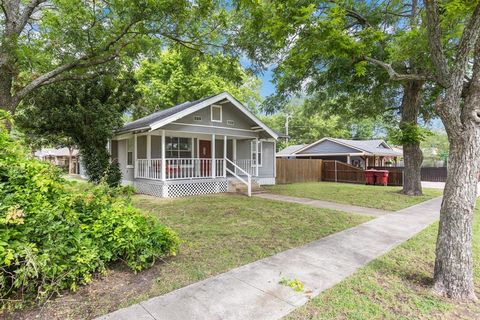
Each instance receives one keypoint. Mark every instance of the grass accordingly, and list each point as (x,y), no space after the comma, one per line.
(219,232)
(379,197)
(225,231)
(395,286)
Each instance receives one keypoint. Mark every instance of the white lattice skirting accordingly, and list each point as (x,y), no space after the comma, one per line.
(173,189)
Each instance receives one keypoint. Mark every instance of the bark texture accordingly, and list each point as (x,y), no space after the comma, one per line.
(412,154)
(454,262)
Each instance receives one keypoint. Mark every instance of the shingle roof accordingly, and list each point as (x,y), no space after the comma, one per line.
(376,147)
(290,149)
(159,115)
(371,146)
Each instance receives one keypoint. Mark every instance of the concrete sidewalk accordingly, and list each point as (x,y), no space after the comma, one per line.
(324,204)
(253,291)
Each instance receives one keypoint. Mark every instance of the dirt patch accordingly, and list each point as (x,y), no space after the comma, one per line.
(104,294)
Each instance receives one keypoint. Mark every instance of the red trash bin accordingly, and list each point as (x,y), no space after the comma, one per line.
(370,177)
(381,177)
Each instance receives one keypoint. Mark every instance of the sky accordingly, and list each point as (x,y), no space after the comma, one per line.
(268,87)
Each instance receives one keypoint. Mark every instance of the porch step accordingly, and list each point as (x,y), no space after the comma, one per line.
(236,186)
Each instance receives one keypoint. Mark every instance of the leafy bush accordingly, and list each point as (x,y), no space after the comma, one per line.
(113,175)
(53,237)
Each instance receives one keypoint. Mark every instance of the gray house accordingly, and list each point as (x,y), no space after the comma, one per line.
(196,148)
(361,153)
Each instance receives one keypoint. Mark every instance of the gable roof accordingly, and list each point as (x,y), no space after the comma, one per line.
(161,118)
(368,147)
(289,150)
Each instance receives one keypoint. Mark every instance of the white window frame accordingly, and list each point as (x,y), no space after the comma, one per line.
(259,151)
(178,150)
(132,151)
(211,112)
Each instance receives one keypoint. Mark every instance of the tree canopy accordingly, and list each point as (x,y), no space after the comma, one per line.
(177,75)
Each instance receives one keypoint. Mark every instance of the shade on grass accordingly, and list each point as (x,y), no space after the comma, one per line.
(379,197)
(221,232)
(395,286)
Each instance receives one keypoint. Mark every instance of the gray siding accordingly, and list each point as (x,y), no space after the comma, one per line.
(209,130)
(327,147)
(268,167)
(127,173)
(142,147)
(229,112)
(156,147)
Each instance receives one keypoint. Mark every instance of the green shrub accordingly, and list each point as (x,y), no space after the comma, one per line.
(113,175)
(53,237)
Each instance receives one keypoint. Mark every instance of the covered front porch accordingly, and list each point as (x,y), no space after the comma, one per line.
(167,155)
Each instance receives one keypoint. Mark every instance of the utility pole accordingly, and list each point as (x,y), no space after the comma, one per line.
(287,119)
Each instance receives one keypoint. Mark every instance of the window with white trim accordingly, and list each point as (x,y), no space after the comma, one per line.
(176,147)
(256,153)
(130,148)
(216,113)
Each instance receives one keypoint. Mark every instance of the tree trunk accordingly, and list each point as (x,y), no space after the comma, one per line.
(454,263)
(412,154)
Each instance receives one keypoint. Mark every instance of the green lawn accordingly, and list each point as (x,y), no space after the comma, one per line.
(395,286)
(219,232)
(379,197)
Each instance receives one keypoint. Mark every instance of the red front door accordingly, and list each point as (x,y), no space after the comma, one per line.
(205,153)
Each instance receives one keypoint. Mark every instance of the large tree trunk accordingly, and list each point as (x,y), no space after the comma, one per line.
(454,262)
(412,154)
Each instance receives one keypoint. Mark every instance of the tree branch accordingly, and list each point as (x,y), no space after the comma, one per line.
(394,75)
(27,13)
(435,43)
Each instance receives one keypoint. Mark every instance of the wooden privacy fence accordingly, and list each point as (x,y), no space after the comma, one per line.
(341,172)
(435,174)
(308,170)
(298,170)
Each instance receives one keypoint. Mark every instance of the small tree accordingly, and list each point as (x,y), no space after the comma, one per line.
(86,112)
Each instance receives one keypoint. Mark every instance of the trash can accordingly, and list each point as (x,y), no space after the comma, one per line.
(381,177)
(370,177)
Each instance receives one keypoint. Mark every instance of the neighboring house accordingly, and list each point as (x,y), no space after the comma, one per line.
(361,153)
(59,157)
(195,148)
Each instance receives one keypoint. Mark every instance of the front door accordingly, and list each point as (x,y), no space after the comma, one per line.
(205,153)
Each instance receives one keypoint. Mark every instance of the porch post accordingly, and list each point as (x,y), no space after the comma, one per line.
(224,156)
(149,147)
(274,158)
(234,150)
(256,157)
(164,163)
(135,155)
(213,155)
(349,161)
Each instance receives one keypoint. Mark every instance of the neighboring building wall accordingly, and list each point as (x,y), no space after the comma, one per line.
(329,147)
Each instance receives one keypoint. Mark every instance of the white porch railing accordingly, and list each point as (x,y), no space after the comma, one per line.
(246,165)
(177,169)
(241,175)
